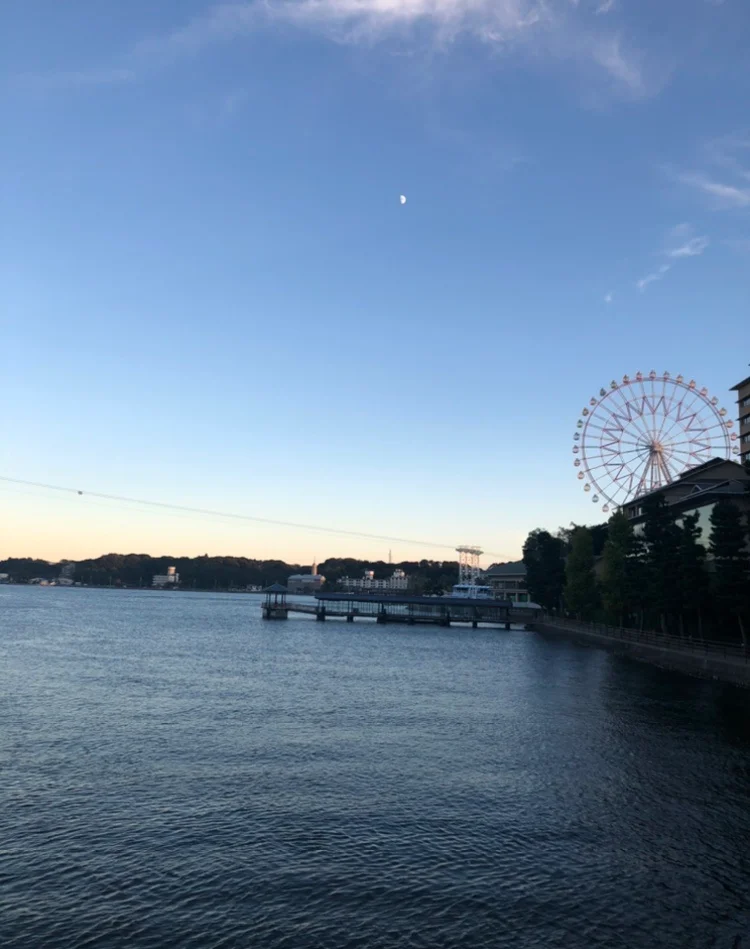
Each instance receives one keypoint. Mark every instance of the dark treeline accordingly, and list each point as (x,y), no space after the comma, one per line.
(225,573)
(666,576)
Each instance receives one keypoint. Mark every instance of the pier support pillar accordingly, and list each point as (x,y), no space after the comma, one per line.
(321,615)
(382,618)
(275,612)
(350,617)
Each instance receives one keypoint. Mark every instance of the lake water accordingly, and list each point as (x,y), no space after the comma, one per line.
(176,772)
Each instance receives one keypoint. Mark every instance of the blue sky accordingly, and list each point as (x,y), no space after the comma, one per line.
(212,295)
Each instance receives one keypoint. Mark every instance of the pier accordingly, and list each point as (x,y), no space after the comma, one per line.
(437,610)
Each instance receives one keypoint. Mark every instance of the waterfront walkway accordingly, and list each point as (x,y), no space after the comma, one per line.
(727,662)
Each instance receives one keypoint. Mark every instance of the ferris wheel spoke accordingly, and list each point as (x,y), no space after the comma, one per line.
(637,423)
(650,416)
(619,447)
(685,411)
(616,457)
(611,462)
(633,417)
(668,403)
(627,441)
(678,421)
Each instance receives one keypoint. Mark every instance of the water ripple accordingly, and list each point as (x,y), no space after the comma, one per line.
(176,773)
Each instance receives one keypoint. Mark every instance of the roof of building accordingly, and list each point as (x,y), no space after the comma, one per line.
(705,466)
(515,569)
(740,385)
(276,588)
(706,491)
(694,478)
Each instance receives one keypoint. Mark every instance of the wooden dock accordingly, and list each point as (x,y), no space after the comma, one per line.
(437,610)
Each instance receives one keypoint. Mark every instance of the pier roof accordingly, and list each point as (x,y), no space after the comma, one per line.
(453,601)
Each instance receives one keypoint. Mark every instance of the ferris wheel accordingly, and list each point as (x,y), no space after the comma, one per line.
(644,432)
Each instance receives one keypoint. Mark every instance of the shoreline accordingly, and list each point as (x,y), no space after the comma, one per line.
(700,663)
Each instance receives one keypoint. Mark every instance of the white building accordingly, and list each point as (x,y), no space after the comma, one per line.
(368,584)
(169,579)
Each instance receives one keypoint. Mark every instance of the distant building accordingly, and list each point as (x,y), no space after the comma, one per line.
(169,579)
(743,415)
(4,577)
(697,491)
(305,583)
(367,583)
(508,581)
(67,574)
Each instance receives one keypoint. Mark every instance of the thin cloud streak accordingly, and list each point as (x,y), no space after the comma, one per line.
(725,195)
(549,28)
(690,247)
(693,248)
(653,277)
(727,183)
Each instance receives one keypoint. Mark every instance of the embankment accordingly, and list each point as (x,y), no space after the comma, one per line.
(706,660)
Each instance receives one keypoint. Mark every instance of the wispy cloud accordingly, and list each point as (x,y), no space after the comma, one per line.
(682,243)
(725,177)
(653,277)
(550,29)
(692,248)
(724,195)
(609,297)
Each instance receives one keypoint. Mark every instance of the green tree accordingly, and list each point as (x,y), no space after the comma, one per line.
(662,538)
(693,576)
(638,578)
(545,568)
(617,593)
(581,595)
(732,573)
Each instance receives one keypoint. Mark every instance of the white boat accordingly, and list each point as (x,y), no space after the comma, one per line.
(472,591)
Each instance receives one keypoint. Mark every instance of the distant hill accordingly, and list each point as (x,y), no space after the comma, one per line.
(224,573)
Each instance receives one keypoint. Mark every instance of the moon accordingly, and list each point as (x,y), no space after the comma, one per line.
(402,198)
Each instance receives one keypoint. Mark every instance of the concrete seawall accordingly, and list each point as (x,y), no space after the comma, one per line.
(706,665)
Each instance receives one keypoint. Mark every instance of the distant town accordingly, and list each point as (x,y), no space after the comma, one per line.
(243,575)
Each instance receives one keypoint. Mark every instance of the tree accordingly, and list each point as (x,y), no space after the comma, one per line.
(617,593)
(598,535)
(693,576)
(545,568)
(581,595)
(662,538)
(638,578)
(732,563)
